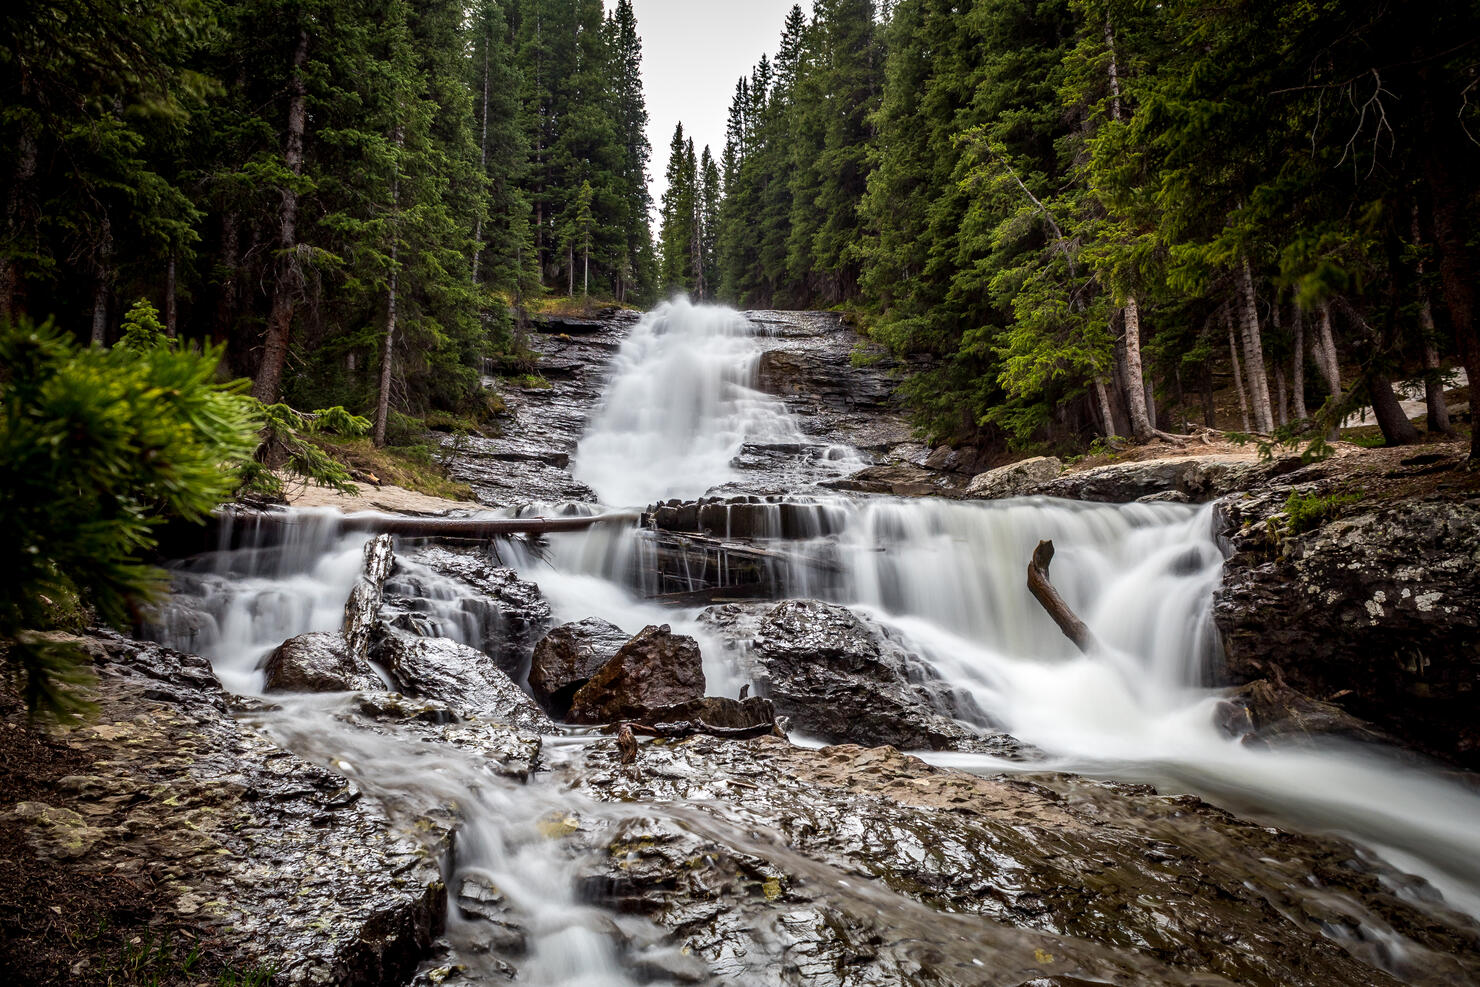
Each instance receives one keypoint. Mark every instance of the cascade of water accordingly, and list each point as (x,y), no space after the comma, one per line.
(680,405)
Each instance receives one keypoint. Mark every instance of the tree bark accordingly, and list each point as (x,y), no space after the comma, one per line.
(1107,417)
(102,276)
(1397,430)
(1297,365)
(1210,409)
(1043,591)
(1433,385)
(16,199)
(289,279)
(1282,408)
(388,357)
(1254,351)
(1238,377)
(171,312)
(230,260)
(1324,347)
(482,163)
(1135,382)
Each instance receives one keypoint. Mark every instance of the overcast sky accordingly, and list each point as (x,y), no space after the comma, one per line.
(692,53)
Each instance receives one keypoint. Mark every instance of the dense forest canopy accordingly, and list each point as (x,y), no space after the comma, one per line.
(1083,209)
(356,199)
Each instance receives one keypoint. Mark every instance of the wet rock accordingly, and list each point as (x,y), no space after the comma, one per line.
(1015,479)
(716,715)
(464,678)
(958,459)
(1263,712)
(902,480)
(1377,612)
(850,866)
(362,609)
(567,657)
(1198,478)
(656,668)
(318,662)
(276,858)
(491,604)
(838,676)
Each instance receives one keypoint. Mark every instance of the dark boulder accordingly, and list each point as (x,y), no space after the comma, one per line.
(462,677)
(567,657)
(318,662)
(841,677)
(656,668)
(1376,611)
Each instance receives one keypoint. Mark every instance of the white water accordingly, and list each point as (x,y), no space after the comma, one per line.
(948,577)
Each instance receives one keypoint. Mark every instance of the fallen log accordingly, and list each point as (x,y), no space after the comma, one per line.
(1043,591)
(446,527)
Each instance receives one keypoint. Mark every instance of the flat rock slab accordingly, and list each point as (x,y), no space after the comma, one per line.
(782,865)
(284,859)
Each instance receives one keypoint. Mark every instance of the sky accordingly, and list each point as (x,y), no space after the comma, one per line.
(692,53)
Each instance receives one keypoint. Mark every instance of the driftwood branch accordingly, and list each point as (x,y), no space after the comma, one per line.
(1043,591)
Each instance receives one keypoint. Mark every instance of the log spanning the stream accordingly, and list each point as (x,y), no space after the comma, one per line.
(1043,591)
(457,527)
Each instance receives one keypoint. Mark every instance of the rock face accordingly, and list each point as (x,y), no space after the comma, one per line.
(463,678)
(844,866)
(656,668)
(841,677)
(1016,479)
(318,662)
(902,480)
(283,860)
(567,657)
(1377,611)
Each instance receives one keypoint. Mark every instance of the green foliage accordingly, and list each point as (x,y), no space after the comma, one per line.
(1306,512)
(337,421)
(142,329)
(99,448)
(284,447)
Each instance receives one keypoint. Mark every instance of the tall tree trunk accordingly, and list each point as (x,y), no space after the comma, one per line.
(1282,407)
(1254,351)
(570,269)
(1323,345)
(230,259)
(1210,409)
(102,276)
(387,358)
(1238,377)
(171,311)
(482,162)
(1135,381)
(1397,430)
(1297,364)
(26,155)
(1449,183)
(1107,417)
(289,276)
(1433,384)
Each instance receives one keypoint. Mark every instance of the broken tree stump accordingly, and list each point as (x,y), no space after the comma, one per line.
(1043,591)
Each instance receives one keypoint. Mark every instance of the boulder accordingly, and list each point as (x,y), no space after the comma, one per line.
(1264,712)
(567,657)
(1193,479)
(362,609)
(1015,479)
(717,715)
(464,678)
(1376,611)
(957,459)
(656,668)
(318,662)
(902,480)
(841,677)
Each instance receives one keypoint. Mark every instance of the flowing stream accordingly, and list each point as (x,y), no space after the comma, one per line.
(946,576)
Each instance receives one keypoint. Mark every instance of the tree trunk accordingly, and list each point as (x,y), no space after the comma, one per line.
(171,312)
(570,268)
(1449,184)
(26,156)
(1297,365)
(586,271)
(102,275)
(230,259)
(1238,377)
(482,163)
(1210,409)
(1254,352)
(1397,430)
(1324,348)
(1135,381)
(441,527)
(285,291)
(1282,408)
(1433,385)
(1107,417)
(387,358)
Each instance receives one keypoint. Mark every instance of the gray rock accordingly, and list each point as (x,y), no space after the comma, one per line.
(362,609)
(277,859)
(318,662)
(841,677)
(464,678)
(1015,479)
(1199,478)
(656,668)
(567,657)
(902,480)
(1377,611)
(845,866)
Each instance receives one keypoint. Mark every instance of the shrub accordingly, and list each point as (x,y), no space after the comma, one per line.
(99,447)
(1306,512)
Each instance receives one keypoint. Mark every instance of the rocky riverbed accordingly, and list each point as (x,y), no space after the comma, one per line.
(401,793)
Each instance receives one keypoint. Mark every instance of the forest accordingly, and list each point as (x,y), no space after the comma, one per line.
(358,201)
(1074,215)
